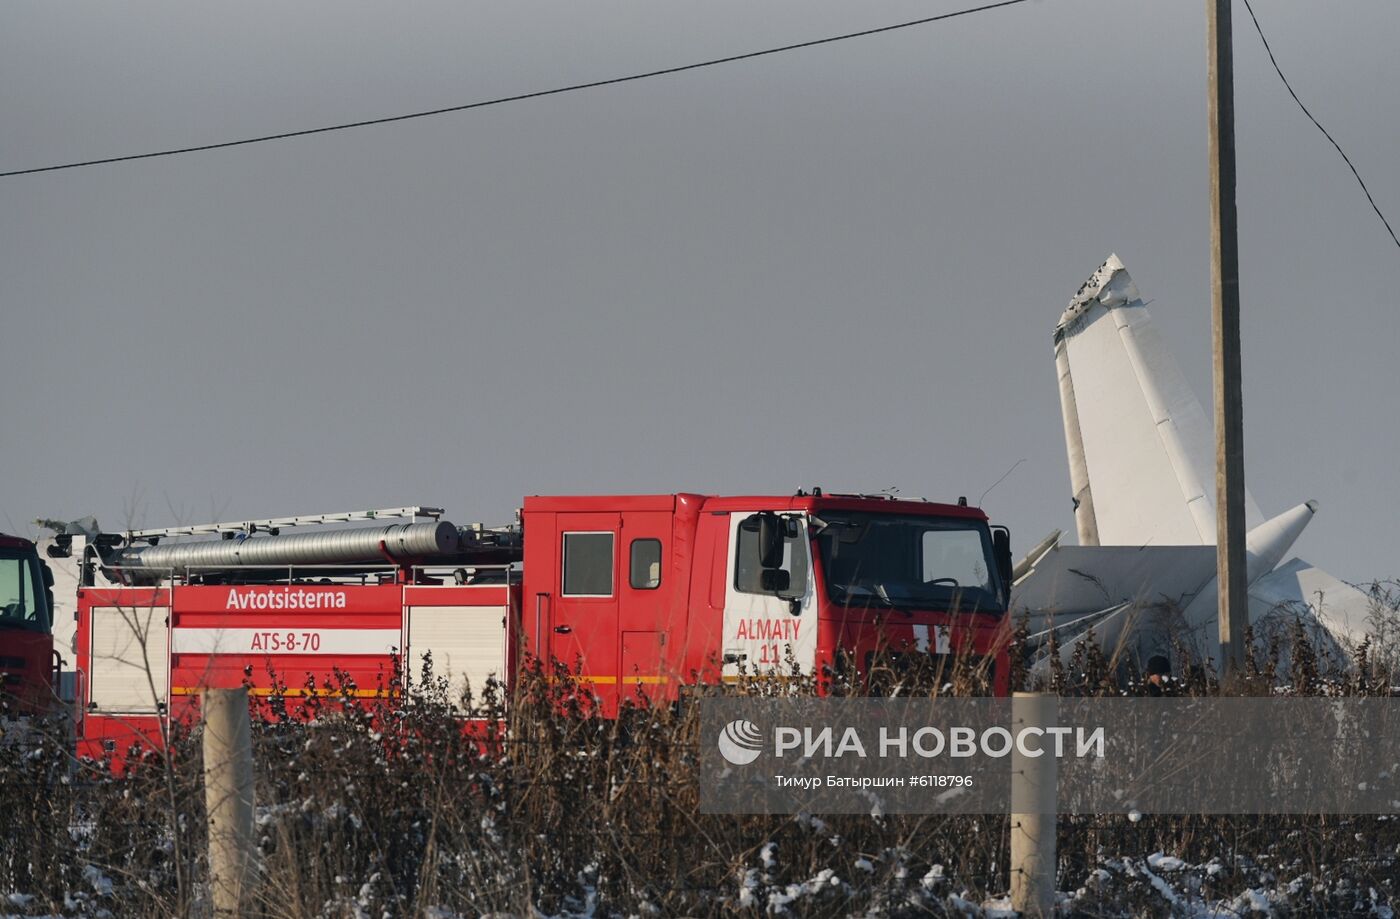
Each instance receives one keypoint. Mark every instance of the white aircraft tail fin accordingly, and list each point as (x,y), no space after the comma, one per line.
(1132,423)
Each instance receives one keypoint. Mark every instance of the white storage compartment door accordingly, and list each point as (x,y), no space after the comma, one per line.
(122,673)
(468,644)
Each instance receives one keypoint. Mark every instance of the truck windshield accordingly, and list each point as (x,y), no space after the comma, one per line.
(21,598)
(900,561)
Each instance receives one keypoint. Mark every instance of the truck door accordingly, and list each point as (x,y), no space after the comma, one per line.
(583,616)
(763,631)
(643,619)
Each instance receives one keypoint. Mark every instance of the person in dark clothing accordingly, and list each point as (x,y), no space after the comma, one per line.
(1159,673)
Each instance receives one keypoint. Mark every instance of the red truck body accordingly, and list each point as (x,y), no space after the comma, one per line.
(639,595)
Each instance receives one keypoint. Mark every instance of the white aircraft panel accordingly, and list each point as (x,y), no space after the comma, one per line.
(1083,579)
(1297,585)
(1145,442)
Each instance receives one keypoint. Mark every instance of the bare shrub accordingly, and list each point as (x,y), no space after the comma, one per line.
(384,801)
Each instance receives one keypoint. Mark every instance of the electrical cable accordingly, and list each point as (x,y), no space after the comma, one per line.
(1318,124)
(516,98)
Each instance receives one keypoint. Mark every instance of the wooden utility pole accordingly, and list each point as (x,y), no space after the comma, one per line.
(1230,580)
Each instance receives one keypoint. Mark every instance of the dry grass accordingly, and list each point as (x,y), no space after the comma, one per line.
(391,808)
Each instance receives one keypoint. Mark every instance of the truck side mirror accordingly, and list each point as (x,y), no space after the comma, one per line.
(1001,548)
(775,580)
(770,540)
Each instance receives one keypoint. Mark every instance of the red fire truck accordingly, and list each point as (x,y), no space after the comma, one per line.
(653,591)
(27,661)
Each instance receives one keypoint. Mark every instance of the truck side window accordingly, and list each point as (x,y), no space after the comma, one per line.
(588,565)
(748,572)
(646,564)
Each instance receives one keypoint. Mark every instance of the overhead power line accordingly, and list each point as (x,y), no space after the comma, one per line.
(1318,124)
(517,98)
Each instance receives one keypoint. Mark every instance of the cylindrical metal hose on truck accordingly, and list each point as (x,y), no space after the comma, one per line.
(404,542)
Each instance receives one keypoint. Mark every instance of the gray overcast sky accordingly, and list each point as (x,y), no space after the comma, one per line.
(838,266)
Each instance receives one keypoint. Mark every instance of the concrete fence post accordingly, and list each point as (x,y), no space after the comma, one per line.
(1033,818)
(228,799)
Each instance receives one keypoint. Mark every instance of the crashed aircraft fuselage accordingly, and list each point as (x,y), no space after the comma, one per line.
(1141,461)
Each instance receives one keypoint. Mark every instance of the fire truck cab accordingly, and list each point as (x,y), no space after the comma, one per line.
(26,630)
(661,591)
(638,595)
